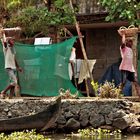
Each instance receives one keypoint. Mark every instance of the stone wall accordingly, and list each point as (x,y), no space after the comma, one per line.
(11,108)
(78,113)
(104,113)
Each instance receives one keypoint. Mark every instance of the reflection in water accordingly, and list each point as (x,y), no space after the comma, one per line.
(107,137)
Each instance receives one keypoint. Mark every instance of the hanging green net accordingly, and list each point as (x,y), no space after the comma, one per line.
(45,68)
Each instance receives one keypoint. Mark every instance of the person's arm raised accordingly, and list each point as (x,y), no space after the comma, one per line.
(123,39)
(4,40)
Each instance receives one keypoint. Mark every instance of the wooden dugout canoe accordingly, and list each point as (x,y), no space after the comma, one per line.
(39,121)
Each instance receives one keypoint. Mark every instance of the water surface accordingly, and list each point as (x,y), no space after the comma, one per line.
(108,137)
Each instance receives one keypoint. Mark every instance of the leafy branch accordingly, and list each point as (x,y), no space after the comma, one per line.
(122,10)
(33,18)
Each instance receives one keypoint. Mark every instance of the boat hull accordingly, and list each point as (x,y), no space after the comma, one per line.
(39,121)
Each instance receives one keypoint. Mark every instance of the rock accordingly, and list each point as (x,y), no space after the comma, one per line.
(96,120)
(72,124)
(68,115)
(9,114)
(108,120)
(108,127)
(60,127)
(84,114)
(65,104)
(105,109)
(84,120)
(61,120)
(75,109)
(122,123)
(6,109)
(116,114)
(133,129)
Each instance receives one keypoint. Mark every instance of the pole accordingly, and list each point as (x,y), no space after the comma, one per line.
(81,42)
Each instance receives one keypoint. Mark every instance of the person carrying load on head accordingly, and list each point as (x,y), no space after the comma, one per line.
(11,65)
(126,67)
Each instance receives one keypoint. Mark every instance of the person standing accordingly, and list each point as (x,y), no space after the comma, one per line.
(72,62)
(11,65)
(127,67)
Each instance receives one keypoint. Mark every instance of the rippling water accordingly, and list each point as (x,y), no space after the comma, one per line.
(77,137)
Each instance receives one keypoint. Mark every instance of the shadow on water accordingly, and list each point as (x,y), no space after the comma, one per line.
(78,137)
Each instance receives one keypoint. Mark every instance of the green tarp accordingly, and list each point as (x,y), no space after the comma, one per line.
(45,68)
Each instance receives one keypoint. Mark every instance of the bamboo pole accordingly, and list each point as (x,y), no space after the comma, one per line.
(81,43)
(87,89)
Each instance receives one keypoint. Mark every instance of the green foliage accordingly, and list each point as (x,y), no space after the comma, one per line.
(18,4)
(31,20)
(24,135)
(64,11)
(122,10)
(106,90)
(109,90)
(99,133)
(95,86)
(34,19)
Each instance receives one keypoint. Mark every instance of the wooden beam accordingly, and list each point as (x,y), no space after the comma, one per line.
(81,44)
(99,25)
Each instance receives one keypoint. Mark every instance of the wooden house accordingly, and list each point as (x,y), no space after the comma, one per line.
(101,39)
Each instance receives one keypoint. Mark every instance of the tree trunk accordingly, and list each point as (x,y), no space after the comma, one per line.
(135,61)
(138,16)
(135,58)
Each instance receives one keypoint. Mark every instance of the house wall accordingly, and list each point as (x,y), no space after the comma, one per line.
(103,45)
(88,6)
